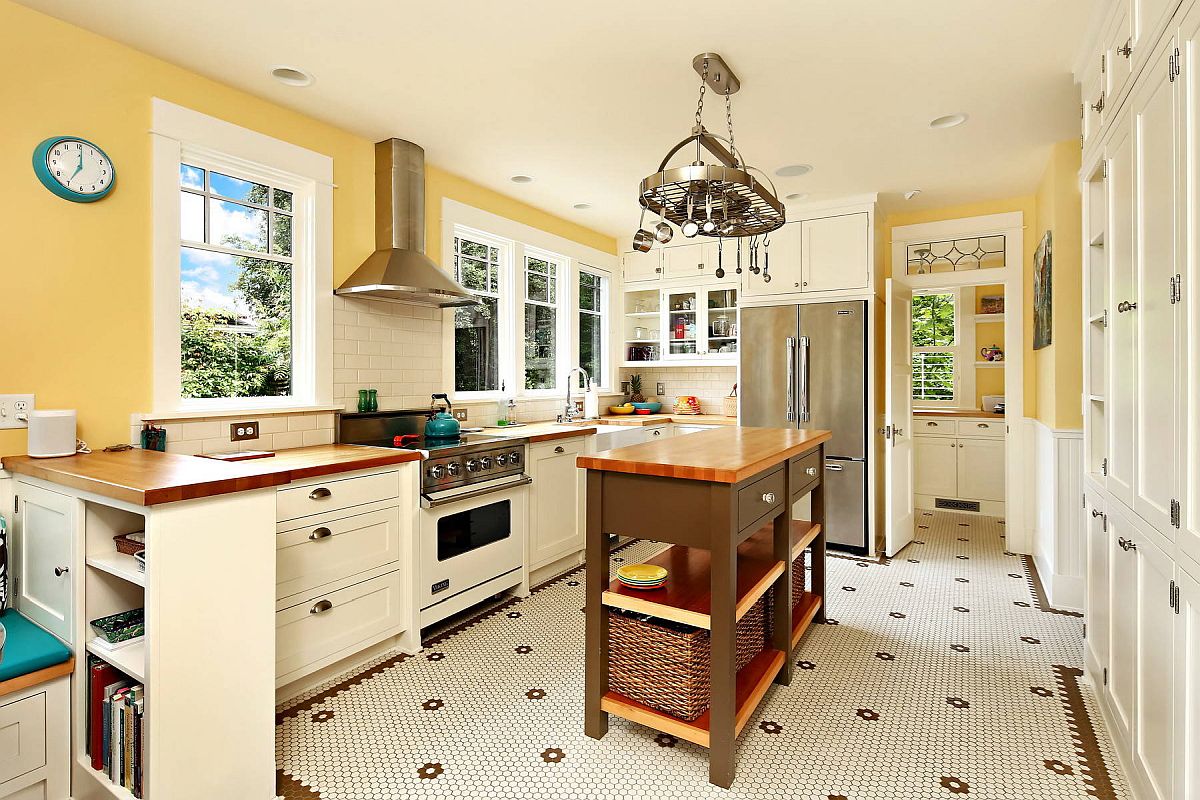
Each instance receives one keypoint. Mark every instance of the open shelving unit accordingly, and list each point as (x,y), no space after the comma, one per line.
(1095,311)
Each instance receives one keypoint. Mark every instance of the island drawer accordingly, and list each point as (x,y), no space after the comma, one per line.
(805,472)
(329,550)
(325,625)
(762,497)
(334,495)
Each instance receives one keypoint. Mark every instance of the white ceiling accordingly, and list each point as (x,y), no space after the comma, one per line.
(587,98)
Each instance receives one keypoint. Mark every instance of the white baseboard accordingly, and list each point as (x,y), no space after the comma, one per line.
(1054,515)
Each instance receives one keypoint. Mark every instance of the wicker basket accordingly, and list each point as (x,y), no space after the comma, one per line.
(664,665)
(129,546)
(799,576)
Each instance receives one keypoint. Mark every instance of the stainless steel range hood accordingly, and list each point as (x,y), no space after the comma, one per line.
(399,268)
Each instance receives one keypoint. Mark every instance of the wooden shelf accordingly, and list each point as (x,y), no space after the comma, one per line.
(990,317)
(686,596)
(642,313)
(119,564)
(1097,240)
(102,779)
(759,545)
(989,364)
(131,660)
(802,615)
(1096,398)
(1100,318)
(753,680)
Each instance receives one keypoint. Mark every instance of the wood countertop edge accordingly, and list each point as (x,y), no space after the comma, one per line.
(550,436)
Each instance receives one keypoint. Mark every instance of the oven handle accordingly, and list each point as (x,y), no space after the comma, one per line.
(434,502)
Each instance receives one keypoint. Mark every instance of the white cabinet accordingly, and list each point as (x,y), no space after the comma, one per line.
(694,324)
(44,558)
(695,262)
(1123,622)
(1187,687)
(1122,329)
(835,253)
(1154,701)
(935,464)
(35,748)
(782,259)
(1098,590)
(636,266)
(555,501)
(981,469)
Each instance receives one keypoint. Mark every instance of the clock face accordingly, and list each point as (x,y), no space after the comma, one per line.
(79,167)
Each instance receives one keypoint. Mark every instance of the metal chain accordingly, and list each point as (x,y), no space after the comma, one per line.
(729,122)
(700,104)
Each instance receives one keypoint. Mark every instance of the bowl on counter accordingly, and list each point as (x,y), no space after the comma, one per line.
(621,409)
(644,411)
(649,408)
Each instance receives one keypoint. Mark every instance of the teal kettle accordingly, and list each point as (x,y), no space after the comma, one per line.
(441,424)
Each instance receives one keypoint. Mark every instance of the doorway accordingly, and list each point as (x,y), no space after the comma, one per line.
(954,341)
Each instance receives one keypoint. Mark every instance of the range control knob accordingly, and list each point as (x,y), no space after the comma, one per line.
(472,466)
(502,460)
(485,462)
(514,457)
(437,471)
(454,468)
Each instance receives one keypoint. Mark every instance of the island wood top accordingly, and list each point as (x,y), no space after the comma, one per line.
(147,477)
(727,455)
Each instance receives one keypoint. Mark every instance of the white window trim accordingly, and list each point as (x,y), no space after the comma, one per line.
(178,132)
(963,351)
(458,216)
(606,325)
(564,273)
(506,307)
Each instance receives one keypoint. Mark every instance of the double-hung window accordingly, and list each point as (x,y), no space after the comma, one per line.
(935,348)
(544,275)
(478,262)
(593,323)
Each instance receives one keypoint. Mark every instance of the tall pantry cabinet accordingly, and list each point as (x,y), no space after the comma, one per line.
(1140,92)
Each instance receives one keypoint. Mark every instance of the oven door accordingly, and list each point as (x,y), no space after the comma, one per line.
(471,539)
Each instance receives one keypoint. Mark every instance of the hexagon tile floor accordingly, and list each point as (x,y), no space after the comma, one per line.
(942,673)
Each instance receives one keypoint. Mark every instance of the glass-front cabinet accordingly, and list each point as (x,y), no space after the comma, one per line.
(698,325)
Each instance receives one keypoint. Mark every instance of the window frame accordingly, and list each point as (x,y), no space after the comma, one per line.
(562,330)
(605,317)
(962,351)
(506,328)
(180,135)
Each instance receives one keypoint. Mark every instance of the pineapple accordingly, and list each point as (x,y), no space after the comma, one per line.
(635,388)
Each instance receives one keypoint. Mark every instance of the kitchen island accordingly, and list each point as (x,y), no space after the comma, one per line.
(710,495)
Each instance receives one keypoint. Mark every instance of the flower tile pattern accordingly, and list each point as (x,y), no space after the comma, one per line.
(904,697)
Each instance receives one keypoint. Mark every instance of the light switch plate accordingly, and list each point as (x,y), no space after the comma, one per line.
(243,431)
(12,405)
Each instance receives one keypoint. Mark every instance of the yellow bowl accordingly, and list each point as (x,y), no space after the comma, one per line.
(642,573)
(620,409)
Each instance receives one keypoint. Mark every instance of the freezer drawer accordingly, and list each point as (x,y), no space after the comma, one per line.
(846,503)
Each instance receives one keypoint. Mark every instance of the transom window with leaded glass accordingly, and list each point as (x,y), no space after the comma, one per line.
(956,255)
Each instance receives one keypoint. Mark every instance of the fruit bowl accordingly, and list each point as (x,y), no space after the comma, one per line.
(652,408)
(621,409)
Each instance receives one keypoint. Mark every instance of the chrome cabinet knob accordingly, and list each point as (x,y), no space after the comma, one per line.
(60,571)
(768,497)
(321,607)
(810,471)
(1124,306)
(1097,513)
(1127,544)
(320,533)
(320,493)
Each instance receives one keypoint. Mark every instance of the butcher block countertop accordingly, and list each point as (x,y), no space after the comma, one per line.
(539,431)
(728,455)
(956,412)
(147,477)
(659,419)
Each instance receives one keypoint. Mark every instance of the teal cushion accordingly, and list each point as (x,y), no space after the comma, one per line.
(28,648)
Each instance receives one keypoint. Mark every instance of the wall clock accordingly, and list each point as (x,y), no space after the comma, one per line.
(74,169)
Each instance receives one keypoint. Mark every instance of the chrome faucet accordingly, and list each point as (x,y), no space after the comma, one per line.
(570,412)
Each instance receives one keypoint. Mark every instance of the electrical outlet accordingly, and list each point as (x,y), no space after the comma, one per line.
(460,414)
(11,407)
(660,390)
(243,431)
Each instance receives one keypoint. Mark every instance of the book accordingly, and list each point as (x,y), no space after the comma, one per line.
(127,741)
(106,720)
(100,675)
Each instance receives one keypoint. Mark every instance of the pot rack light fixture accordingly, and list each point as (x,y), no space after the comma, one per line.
(725,199)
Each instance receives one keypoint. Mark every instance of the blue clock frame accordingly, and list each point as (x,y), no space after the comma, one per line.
(43,172)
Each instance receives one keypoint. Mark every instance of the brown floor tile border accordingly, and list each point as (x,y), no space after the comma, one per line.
(1087,749)
(1039,593)
(879,561)
(289,788)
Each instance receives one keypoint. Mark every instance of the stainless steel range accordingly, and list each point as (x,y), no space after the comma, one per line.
(474,496)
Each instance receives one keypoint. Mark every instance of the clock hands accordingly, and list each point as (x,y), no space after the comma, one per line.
(79,168)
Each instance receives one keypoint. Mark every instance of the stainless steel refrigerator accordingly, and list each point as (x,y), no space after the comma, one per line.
(805,366)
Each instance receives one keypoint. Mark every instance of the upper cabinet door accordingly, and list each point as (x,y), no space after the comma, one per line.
(1188,536)
(1122,330)
(1118,53)
(637,266)
(1148,18)
(1156,251)
(835,253)
(695,262)
(781,260)
(45,558)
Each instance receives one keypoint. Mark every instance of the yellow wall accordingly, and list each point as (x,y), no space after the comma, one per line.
(76,278)
(1027,205)
(1059,367)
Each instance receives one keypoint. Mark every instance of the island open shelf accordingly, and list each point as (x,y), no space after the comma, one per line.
(723,500)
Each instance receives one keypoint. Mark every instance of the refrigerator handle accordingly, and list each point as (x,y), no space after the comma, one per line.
(791,379)
(805,414)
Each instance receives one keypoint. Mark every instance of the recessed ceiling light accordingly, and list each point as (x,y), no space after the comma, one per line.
(582,206)
(793,170)
(292,76)
(521,179)
(948,121)
(912,193)
(796,196)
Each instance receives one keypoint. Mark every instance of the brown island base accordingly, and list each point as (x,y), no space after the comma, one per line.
(722,499)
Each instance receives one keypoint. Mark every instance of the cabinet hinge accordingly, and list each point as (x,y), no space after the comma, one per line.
(1104,467)
(1176,513)
(1176,289)
(1106,676)
(1178,63)
(1084,498)
(16,504)
(1104,169)
(1104,319)
(1171,67)
(1103,63)
(1082,112)
(1178,603)
(1085,630)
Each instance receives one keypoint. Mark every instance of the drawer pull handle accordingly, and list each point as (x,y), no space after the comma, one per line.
(320,493)
(1127,544)
(321,607)
(319,534)
(60,571)
(982,425)
(560,449)
(931,424)
(768,497)
(658,433)
(810,471)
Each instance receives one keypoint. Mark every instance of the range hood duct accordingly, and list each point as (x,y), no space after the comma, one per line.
(399,268)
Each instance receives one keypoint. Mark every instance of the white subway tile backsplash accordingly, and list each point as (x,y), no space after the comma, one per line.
(304,422)
(315,437)
(190,431)
(285,441)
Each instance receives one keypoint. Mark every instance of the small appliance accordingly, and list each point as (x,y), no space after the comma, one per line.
(52,433)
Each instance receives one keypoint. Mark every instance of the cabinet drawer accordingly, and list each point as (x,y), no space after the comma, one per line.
(923,426)
(321,553)
(333,495)
(806,472)
(557,447)
(992,428)
(326,624)
(759,498)
(22,736)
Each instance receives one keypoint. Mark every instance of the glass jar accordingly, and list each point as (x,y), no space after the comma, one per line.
(364,401)
(372,400)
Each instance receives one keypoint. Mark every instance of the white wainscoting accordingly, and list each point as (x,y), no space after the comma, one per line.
(1054,518)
